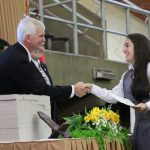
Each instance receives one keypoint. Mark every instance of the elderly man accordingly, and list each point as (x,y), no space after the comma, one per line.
(18,73)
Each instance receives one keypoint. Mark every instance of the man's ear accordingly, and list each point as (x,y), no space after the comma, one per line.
(28,38)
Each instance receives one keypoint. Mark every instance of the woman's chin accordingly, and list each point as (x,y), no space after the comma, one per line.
(130,61)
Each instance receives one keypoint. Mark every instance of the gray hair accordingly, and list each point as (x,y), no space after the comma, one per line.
(28,26)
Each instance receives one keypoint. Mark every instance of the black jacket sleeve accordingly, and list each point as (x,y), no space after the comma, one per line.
(27,77)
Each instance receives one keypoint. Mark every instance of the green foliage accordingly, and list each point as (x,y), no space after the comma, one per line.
(74,121)
(79,128)
(79,133)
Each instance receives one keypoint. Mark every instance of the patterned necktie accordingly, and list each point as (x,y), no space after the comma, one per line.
(44,74)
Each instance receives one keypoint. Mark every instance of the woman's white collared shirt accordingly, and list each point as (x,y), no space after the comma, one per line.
(105,94)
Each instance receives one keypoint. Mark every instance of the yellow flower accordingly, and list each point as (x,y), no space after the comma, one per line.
(96,114)
(95,123)
(117,118)
(107,115)
(87,118)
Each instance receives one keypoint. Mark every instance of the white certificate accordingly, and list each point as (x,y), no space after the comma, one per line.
(123,100)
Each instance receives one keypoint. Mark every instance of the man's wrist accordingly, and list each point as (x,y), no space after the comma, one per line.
(148,105)
(72,92)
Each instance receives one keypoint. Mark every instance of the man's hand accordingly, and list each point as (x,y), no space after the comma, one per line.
(140,107)
(88,87)
(82,89)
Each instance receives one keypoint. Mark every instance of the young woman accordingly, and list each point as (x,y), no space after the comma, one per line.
(134,85)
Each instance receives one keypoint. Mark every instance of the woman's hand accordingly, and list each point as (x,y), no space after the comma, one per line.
(140,107)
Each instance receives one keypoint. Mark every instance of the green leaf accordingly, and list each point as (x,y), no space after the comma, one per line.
(104,130)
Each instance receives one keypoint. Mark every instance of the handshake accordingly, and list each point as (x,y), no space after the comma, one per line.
(81,89)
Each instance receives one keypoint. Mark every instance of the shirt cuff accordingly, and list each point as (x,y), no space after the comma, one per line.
(72,92)
(148,104)
(95,89)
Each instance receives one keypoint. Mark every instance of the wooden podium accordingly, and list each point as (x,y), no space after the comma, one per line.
(19,119)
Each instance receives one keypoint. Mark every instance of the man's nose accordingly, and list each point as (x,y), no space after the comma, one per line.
(43,39)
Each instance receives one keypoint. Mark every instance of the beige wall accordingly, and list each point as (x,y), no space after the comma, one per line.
(11,11)
(116,20)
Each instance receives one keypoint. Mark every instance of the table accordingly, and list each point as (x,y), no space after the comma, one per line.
(113,145)
(52,144)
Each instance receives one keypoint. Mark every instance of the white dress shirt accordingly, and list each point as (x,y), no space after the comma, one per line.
(38,65)
(105,94)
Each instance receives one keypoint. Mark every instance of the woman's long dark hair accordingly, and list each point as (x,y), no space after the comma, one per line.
(140,87)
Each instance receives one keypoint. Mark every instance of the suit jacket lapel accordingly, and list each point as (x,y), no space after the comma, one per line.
(44,67)
(37,71)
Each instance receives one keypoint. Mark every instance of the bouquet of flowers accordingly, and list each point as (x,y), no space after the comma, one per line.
(103,124)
